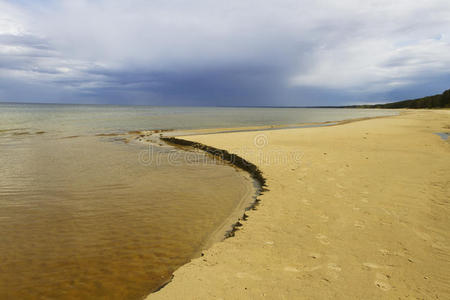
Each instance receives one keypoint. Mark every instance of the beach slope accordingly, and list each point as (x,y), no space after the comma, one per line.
(359,210)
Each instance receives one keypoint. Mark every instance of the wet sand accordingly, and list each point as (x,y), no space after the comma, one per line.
(359,210)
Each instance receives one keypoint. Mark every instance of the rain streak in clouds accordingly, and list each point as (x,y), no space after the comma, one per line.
(223,53)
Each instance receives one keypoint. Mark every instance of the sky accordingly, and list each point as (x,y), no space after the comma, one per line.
(223,53)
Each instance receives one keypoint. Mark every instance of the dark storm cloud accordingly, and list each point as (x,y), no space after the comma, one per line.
(223,53)
(221,86)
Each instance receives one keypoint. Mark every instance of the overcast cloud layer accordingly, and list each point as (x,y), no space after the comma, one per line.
(230,52)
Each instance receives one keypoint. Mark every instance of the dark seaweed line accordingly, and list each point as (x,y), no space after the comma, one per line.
(235,160)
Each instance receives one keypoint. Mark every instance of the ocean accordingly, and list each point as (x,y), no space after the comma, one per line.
(83,216)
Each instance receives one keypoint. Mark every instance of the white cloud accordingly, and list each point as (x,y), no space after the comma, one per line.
(10,19)
(391,45)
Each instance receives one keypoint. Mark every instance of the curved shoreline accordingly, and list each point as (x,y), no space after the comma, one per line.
(239,162)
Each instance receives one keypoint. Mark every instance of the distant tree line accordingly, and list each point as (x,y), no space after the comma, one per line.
(435,101)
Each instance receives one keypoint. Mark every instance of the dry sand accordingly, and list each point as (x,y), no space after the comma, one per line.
(354,211)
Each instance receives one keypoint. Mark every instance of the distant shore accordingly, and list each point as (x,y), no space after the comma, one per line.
(357,210)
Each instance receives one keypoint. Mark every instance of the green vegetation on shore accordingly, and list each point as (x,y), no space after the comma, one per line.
(435,101)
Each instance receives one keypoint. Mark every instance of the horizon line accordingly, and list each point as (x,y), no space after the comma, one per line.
(155,105)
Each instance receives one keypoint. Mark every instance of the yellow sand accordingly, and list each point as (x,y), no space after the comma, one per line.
(355,211)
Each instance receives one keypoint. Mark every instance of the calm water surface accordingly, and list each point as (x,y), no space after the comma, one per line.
(81,217)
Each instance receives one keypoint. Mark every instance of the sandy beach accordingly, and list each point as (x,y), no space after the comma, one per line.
(354,211)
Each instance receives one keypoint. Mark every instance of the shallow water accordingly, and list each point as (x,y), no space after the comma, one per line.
(443,135)
(85,217)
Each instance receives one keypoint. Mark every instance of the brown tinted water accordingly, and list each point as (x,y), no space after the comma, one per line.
(85,218)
